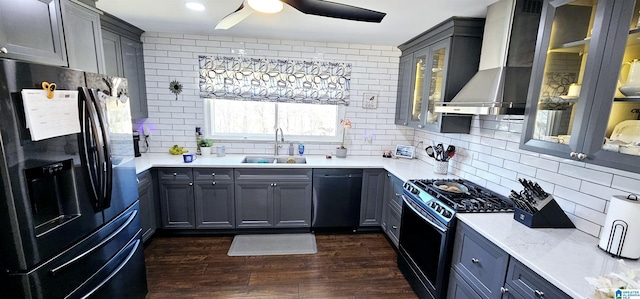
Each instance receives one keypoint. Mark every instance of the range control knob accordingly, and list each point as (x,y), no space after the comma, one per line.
(446,214)
(415,191)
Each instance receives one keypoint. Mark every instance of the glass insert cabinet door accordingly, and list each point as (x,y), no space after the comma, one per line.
(420,60)
(430,73)
(436,81)
(567,52)
(622,133)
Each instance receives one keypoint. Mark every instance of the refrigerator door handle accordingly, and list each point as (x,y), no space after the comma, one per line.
(132,215)
(106,166)
(91,151)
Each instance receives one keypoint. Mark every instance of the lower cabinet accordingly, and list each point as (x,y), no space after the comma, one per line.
(202,198)
(392,208)
(147,205)
(273,198)
(373,185)
(479,269)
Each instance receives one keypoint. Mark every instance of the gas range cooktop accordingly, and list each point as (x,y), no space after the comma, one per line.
(475,199)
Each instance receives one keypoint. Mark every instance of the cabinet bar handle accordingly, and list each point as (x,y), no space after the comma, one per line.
(474,260)
(504,290)
(394,227)
(538,293)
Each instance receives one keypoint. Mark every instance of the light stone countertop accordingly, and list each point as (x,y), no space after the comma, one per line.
(404,169)
(564,257)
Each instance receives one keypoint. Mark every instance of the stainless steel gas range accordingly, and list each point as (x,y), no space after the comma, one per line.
(428,228)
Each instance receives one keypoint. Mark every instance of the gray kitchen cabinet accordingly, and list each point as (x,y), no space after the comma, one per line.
(426,75)
(373,183)
(273,198)
(124,58)
(199,198)
(479,269)
(31,30)
(147,205)
(83,36)
(392,208)
(214,198)
(580,98)
(176,198)
(521,282)
(479,262)
(458,288)
(404,89)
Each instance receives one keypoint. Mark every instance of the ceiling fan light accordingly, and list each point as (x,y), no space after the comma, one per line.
(266,6)
(194,5)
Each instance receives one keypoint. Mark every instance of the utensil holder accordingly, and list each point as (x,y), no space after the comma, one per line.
(550,216)
(441,167)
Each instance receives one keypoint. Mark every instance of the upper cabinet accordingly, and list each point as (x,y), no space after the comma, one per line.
(124,58)
(584,96)
(434,66)
(31,30)
(83,36)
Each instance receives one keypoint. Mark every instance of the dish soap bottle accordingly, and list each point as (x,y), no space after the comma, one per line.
(290,148)
(301,148)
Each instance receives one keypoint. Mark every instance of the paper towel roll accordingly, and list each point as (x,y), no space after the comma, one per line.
(622,209)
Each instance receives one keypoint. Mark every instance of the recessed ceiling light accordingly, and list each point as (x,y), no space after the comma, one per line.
(194,5)
(266,6)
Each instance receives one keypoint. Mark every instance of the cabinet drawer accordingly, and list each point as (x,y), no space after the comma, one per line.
(271,174)
(209,174)
(174,174)
(397,192)
(393,223)
(479,262)
(528,284)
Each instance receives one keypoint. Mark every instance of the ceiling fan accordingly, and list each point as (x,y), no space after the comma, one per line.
(312,7)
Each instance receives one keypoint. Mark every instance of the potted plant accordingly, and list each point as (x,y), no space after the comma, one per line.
(341,152)
(205,146)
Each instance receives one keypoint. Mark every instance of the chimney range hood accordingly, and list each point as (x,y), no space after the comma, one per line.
(508,46)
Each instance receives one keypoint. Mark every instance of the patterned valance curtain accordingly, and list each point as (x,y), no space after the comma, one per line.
(275,80)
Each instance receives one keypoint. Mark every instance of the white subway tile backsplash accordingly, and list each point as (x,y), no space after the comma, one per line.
(554,177)
(586,174)
(595,203)
(626,184)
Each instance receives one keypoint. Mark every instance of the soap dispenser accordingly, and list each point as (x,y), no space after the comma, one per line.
(290,148)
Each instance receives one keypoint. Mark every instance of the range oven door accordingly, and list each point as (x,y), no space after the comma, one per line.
(425,250)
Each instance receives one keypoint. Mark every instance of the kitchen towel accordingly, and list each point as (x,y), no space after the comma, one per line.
(273,244)
(627,209)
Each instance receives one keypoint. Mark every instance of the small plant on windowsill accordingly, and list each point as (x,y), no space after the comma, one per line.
(341,152)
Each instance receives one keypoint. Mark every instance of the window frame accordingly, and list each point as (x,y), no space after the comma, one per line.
(209,107)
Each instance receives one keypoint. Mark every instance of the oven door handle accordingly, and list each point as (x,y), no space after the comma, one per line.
(406,201)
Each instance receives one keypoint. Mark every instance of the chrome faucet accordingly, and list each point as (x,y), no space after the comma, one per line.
(276,145)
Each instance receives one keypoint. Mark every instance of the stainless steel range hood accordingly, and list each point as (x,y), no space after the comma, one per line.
(508,45)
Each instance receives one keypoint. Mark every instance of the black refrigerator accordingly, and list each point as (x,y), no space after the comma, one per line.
(69,212)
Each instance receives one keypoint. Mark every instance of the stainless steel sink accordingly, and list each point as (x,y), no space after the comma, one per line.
(274,160)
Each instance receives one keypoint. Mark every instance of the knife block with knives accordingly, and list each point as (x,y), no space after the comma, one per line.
(536,208)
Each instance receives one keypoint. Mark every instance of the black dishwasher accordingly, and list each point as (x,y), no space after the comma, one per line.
(336,199)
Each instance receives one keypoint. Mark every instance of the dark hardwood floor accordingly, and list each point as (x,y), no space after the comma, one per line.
(346,266)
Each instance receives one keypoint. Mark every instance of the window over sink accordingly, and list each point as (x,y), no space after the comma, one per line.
(252,120)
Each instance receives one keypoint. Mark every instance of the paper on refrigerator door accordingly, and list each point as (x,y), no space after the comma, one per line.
(48,118)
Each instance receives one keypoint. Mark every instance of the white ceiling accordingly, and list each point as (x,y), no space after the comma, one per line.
(405,19)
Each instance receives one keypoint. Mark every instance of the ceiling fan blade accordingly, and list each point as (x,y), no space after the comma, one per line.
(336,10)
(234,18)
